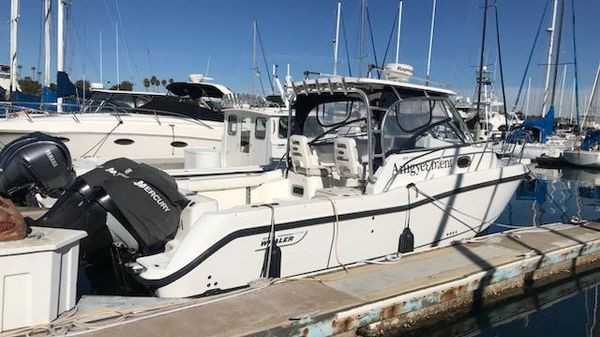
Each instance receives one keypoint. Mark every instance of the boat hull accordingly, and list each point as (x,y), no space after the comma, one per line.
(228,249)
(106,136)
(582,158)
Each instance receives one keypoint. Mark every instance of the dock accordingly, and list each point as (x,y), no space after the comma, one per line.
(372,299)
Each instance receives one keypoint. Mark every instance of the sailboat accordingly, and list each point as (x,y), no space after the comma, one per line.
(536,137)
(588,153)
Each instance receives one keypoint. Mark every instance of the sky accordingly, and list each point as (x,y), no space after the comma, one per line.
(172,39)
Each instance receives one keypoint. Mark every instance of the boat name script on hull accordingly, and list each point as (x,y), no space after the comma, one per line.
(425,166)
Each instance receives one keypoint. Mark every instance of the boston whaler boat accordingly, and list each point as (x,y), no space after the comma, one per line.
(375,167)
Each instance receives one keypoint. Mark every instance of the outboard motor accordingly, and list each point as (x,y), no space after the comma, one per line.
(128,210)
(123,202)
(35,163)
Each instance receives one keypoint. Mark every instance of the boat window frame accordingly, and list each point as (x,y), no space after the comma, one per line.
(232,121)
(262,134)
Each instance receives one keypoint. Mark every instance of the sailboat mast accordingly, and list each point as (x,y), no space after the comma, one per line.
(14,23)
(558,44)
(47,7)
(337,38)
(431,39)
(254,67)
(550,31)
(573,103)
(562,91)
(480,79)
(117,53)
(101,79)
(528,97)
(60,45)
(592,96)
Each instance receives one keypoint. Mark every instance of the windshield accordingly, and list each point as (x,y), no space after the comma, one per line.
(421,123)
(332,115)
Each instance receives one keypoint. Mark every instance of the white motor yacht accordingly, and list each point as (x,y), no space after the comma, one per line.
(375,167)
(138,125)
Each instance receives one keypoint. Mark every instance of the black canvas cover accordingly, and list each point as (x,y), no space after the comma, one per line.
(145,200)
(35,162)
(146,197)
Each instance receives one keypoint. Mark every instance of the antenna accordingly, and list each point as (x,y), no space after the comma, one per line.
(207,66)
(337,38)
(430,41)
(399,30)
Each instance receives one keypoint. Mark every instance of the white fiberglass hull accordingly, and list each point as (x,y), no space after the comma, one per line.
(582,158)
(227,249)
(105,136)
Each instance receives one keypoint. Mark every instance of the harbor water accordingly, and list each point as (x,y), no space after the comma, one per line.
(569,308)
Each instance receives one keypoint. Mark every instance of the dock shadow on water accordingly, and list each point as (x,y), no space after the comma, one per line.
(570,307)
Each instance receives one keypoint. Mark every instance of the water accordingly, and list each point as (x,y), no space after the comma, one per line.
(569,308)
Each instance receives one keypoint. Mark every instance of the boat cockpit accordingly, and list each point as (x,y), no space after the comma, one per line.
(346,130)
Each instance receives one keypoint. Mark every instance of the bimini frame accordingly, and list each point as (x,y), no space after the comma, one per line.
(331,87)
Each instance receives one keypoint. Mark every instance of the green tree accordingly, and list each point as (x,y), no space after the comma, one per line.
(154,81)
(164,83)
(32,72)
(171,80)
(125,86)
(29,86)
(84,85)
(146,83)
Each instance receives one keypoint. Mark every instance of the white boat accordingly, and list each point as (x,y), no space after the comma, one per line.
(588,154)
(376,167)
(138,125)
(492,120)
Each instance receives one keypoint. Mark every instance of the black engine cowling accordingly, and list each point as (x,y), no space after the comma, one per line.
(35,163)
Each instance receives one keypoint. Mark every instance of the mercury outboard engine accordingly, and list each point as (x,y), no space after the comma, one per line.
(140,206)
(35,163)
(128,210)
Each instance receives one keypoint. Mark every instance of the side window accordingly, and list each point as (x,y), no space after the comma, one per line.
(232,125)
(282,130)
(438,136)
(260,128)
(245,135)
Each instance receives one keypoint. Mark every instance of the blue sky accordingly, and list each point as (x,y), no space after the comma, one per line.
(171,39)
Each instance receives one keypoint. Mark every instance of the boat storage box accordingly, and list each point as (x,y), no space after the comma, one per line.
(38,276)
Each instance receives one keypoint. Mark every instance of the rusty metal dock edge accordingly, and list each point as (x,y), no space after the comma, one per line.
(420,308)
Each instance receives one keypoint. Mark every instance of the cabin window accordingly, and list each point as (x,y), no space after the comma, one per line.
(245,135)
(232,125)
(260,128)
(282,130)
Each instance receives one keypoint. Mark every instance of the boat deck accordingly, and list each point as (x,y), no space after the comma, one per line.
(366,300)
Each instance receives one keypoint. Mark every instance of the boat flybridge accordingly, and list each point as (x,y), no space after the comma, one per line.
(139,125)
(375,167)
